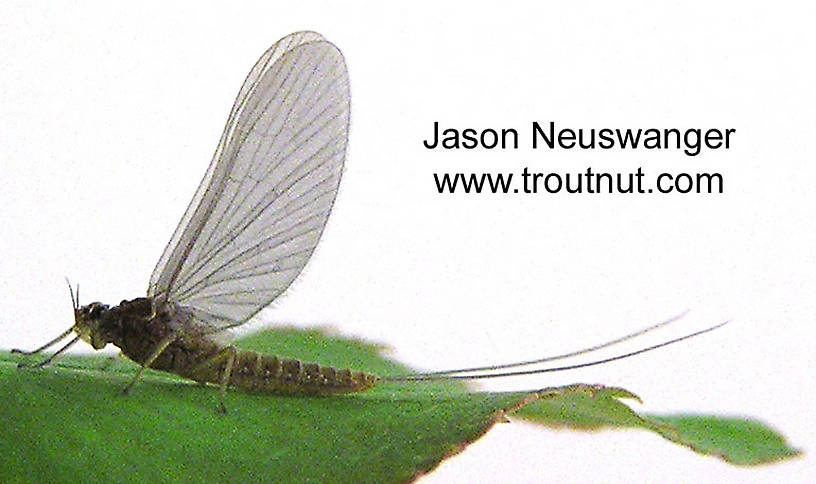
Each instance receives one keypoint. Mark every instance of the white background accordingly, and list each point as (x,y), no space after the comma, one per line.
(109,116)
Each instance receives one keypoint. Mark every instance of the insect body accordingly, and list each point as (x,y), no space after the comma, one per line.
(169,339)
(251,227)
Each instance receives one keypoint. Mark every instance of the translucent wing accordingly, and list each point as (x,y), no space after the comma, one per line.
(263,203)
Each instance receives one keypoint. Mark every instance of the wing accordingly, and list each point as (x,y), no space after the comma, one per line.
(263,203)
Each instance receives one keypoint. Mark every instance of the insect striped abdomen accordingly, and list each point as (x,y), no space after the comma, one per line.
(267,373)
(199,358)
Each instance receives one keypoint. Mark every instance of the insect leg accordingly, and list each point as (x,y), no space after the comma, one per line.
(46,345)
(149,361)
(226,376)
(228,353)
(50,358)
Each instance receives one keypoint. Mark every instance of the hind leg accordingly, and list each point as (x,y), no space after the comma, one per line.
(228,355)
(226,376)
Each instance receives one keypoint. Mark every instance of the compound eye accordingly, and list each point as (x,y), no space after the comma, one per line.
(94,311)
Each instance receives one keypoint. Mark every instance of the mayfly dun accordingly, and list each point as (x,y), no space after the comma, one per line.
(248,232)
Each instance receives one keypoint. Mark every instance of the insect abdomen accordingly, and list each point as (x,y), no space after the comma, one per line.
(268,373)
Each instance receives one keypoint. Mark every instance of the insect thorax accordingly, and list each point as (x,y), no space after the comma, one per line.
(99,324)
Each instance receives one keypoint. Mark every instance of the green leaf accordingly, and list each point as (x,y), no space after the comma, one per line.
(70,421)
(740,441)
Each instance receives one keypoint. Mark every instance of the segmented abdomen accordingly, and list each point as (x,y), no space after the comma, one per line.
(261,372)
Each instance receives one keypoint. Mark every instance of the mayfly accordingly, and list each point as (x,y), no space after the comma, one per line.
(249,230)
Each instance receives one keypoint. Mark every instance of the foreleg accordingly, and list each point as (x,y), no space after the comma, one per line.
(50,358)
